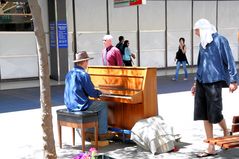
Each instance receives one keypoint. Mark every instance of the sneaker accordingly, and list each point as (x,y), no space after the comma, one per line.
(173,79)
(185,79)
(89,136)
(101,143)
(101,137)
(109,135)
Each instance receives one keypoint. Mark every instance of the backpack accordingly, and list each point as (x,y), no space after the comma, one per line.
(120,46)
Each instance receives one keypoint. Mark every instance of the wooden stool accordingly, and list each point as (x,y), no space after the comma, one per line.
(228,141)
(82,120)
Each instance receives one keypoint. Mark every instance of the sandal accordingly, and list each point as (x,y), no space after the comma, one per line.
(205,154)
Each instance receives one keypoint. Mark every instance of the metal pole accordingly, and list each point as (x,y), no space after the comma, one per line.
(217,15)
(138,37)
(57,47)
(192,31)
(166,36)
(107,16)
(74,28)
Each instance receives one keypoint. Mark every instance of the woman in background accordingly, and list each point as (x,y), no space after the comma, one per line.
(127,54)
(181,59)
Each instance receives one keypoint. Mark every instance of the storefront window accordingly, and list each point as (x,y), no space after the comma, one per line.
(15,15)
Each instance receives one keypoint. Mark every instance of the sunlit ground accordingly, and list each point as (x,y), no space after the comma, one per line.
(21,132)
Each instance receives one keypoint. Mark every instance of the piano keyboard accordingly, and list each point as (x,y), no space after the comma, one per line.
(115,96)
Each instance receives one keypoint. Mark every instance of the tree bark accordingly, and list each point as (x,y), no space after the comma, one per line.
(45,94)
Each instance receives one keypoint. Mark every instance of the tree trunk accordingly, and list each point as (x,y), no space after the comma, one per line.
(45,94)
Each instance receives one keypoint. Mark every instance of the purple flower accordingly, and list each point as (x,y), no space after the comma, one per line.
(93,152)
(87,155)
(92,149)
(79,156)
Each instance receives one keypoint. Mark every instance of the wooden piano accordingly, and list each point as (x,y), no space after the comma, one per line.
(131,93)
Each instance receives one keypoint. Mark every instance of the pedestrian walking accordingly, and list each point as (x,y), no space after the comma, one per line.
(215,69)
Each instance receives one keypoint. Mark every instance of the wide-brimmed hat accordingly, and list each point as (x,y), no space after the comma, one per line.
(82,56)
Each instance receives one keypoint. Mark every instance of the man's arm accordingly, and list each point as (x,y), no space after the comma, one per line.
(89,87)
(232,87)
(231,65)
(193,89)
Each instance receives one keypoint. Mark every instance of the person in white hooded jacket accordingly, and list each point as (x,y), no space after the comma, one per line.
(216,68)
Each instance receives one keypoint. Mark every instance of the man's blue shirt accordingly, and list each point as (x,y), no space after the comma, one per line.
(216,63)
(78,88)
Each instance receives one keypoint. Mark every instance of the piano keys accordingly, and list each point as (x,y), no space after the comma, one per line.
(131,93)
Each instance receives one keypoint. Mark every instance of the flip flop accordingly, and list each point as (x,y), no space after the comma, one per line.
(205,154)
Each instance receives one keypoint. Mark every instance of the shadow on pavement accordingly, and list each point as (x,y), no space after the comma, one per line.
(28,98)
(167,85)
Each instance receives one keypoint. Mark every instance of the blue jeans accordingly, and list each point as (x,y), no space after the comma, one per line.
(184,68)
(102,109)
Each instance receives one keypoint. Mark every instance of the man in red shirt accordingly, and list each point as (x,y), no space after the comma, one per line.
(111,55)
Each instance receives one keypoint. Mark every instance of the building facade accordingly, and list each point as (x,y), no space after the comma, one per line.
(153,30)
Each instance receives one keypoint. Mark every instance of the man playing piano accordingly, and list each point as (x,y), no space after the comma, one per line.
(78,89)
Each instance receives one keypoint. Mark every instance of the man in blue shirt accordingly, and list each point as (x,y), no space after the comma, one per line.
(216,68)
(78,89)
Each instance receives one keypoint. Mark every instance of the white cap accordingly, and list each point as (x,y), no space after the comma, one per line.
(204,24)
(206,31)
(108,37)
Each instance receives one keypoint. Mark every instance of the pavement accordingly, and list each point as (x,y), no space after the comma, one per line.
(21,133)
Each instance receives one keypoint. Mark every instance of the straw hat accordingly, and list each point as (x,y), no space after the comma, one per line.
(82,56)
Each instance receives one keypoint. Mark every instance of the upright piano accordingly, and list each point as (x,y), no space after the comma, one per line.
(131,93)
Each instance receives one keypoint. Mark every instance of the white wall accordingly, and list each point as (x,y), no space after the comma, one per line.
(152,34)
(70,26)
(202,9)
(228,27)
(123,21)
(179,25)
(18,51)
(18,56)
(91,26)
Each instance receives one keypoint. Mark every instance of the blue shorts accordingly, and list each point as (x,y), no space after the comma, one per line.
(208,102)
